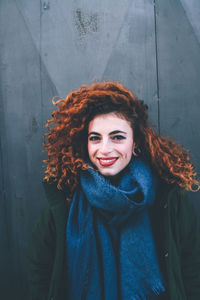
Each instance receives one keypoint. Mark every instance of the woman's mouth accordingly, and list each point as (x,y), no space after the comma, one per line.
(107,161)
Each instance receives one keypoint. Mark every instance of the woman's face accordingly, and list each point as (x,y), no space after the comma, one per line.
(110,143)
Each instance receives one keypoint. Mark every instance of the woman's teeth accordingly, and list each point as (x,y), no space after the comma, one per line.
(108,160)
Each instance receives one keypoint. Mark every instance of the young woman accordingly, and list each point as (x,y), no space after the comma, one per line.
(118,224)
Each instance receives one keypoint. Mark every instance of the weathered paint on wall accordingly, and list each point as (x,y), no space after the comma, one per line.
(48,48)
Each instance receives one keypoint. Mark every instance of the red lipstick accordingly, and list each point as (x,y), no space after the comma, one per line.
(107,161)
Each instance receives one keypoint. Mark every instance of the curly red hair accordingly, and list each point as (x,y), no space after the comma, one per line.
(66,141)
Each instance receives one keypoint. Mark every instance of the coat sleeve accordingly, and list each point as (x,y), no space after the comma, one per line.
(190,247)
(41,256)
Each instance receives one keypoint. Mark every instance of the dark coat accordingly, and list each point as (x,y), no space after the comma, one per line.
(176,234)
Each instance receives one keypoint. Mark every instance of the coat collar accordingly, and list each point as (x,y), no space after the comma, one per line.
(53,194)
(57,202)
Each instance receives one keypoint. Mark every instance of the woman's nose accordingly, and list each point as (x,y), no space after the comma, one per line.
(106,147)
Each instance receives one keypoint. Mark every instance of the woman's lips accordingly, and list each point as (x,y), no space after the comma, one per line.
(107,161)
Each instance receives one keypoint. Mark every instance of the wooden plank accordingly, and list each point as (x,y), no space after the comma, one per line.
(6,260)
(179,73)
(133,59)
(21,96)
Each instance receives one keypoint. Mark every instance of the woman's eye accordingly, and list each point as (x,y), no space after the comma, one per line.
(118,137)
(93,138)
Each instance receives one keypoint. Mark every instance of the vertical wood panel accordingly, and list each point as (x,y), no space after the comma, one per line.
(179,73)
(22,140)
(133,58)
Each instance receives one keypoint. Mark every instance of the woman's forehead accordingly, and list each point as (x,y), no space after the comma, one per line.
(109,122)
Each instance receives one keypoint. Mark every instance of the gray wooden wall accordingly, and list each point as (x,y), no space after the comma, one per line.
(48,48)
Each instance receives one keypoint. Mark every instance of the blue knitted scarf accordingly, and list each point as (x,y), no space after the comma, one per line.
(110,251)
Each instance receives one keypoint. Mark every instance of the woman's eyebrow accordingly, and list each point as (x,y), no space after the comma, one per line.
(111,133)
(93,132)
(117,131)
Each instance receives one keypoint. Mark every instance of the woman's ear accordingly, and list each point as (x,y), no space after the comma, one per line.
(136,150)
(134,154)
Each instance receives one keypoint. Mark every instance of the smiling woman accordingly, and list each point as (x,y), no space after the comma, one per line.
(127,229)
(110,143)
